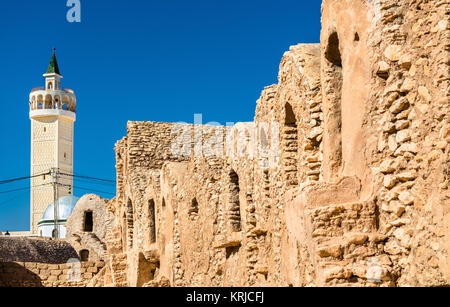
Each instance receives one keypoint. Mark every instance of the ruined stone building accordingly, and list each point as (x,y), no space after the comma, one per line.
(342,179)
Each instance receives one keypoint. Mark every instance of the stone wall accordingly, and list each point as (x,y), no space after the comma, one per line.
(413,106)
(35,250)
(341,180)
(37,262)
(32,274)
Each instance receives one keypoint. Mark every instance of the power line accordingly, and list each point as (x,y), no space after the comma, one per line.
(88,177)
(87,189)
(13,198)
(102,181)
(22,178)
(22,189)
(76,177)
(15,190)
(96,183)
(77,187)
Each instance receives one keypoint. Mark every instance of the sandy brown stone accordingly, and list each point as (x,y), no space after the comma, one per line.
(348,188)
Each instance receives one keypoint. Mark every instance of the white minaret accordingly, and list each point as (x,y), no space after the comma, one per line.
(52,114)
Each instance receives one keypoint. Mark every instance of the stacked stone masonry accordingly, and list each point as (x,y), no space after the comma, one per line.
(32,274)
(44,262)
(341,180)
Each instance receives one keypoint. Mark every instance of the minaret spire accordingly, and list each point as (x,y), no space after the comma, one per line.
(53,66)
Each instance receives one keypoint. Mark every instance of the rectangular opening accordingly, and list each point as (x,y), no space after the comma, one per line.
(88,221)
(84,255)
(130,223)
(152,218)
(234,209)
(232,250)
(290,146)
(193,209)
(333,108)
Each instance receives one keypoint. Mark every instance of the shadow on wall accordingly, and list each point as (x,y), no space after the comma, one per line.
(15,275)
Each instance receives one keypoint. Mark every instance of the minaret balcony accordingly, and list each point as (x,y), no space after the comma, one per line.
(42,88)
(45,102)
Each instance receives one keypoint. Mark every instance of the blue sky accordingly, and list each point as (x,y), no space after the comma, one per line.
(153,60)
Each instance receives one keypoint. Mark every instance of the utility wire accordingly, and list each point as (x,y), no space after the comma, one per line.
(87,189)
(16,190)
(88,177)
(64,174)
(81,188)
(96,183)
(22,189)
(22,178)
(93,180)
(14,198)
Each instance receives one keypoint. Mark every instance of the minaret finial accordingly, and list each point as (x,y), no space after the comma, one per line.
(53,67)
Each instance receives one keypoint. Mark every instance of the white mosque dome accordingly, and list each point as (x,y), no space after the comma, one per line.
(65,208)
(46,227)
